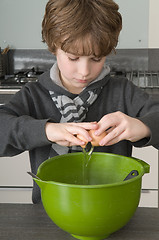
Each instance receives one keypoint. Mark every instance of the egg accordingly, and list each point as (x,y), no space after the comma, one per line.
(95,139)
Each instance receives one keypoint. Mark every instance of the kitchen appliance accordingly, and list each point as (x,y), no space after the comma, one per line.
(93,211)
(18,79)
(146,80)
(142,79)
(12,83)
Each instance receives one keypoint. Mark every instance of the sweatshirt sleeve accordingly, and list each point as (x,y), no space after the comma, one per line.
(152,121)
(20,127)
(146,109)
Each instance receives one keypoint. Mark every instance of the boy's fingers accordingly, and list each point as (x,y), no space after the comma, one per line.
(85,125)
(76,141)
(112,136)
(74,131)
(69,143)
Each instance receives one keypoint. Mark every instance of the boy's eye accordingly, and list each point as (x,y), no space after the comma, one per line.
(96,59)
(73,58)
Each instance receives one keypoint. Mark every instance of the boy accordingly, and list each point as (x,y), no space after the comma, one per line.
(78,94)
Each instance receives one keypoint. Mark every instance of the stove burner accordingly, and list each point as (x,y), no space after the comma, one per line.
(20,78)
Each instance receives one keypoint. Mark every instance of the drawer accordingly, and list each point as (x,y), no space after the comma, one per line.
(149,198)
(16,195)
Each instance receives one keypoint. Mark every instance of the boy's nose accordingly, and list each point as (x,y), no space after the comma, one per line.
(84,69)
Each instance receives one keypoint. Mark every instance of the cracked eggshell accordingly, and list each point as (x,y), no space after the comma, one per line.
(96,139)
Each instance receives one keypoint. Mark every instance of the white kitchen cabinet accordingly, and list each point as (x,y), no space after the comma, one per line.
(149,195)
(15,183)
(13,171)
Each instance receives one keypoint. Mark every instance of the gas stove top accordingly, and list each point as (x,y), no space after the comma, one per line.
(142,79)
(18,79)
(148,81)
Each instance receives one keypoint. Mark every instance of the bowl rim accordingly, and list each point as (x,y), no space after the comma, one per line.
(108,185)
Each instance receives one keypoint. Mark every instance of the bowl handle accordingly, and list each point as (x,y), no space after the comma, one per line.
(145,165)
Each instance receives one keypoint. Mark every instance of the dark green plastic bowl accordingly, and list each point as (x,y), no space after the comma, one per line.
(90,212)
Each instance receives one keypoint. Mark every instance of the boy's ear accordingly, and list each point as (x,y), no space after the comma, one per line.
(54,52)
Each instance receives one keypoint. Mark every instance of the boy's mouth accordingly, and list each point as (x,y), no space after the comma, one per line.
(82,81)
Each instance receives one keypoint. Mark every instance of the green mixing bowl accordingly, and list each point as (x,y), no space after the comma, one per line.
(93,211)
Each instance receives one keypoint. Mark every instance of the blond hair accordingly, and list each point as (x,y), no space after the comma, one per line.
(82,27)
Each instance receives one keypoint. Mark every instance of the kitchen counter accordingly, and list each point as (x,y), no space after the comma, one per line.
(29,221)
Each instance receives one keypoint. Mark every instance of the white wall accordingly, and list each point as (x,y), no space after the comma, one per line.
(20,23)
(135,14)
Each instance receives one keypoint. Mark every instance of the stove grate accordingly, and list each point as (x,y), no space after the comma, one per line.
(144,79)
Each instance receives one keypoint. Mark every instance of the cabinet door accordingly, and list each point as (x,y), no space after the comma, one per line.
(149,155)
(13,171)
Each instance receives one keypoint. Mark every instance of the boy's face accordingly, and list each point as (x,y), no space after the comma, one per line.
(77,72)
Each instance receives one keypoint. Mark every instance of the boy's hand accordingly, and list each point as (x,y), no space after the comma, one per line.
(65,133)
(121,127)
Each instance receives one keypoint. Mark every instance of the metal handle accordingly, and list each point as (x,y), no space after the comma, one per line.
(33,175)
